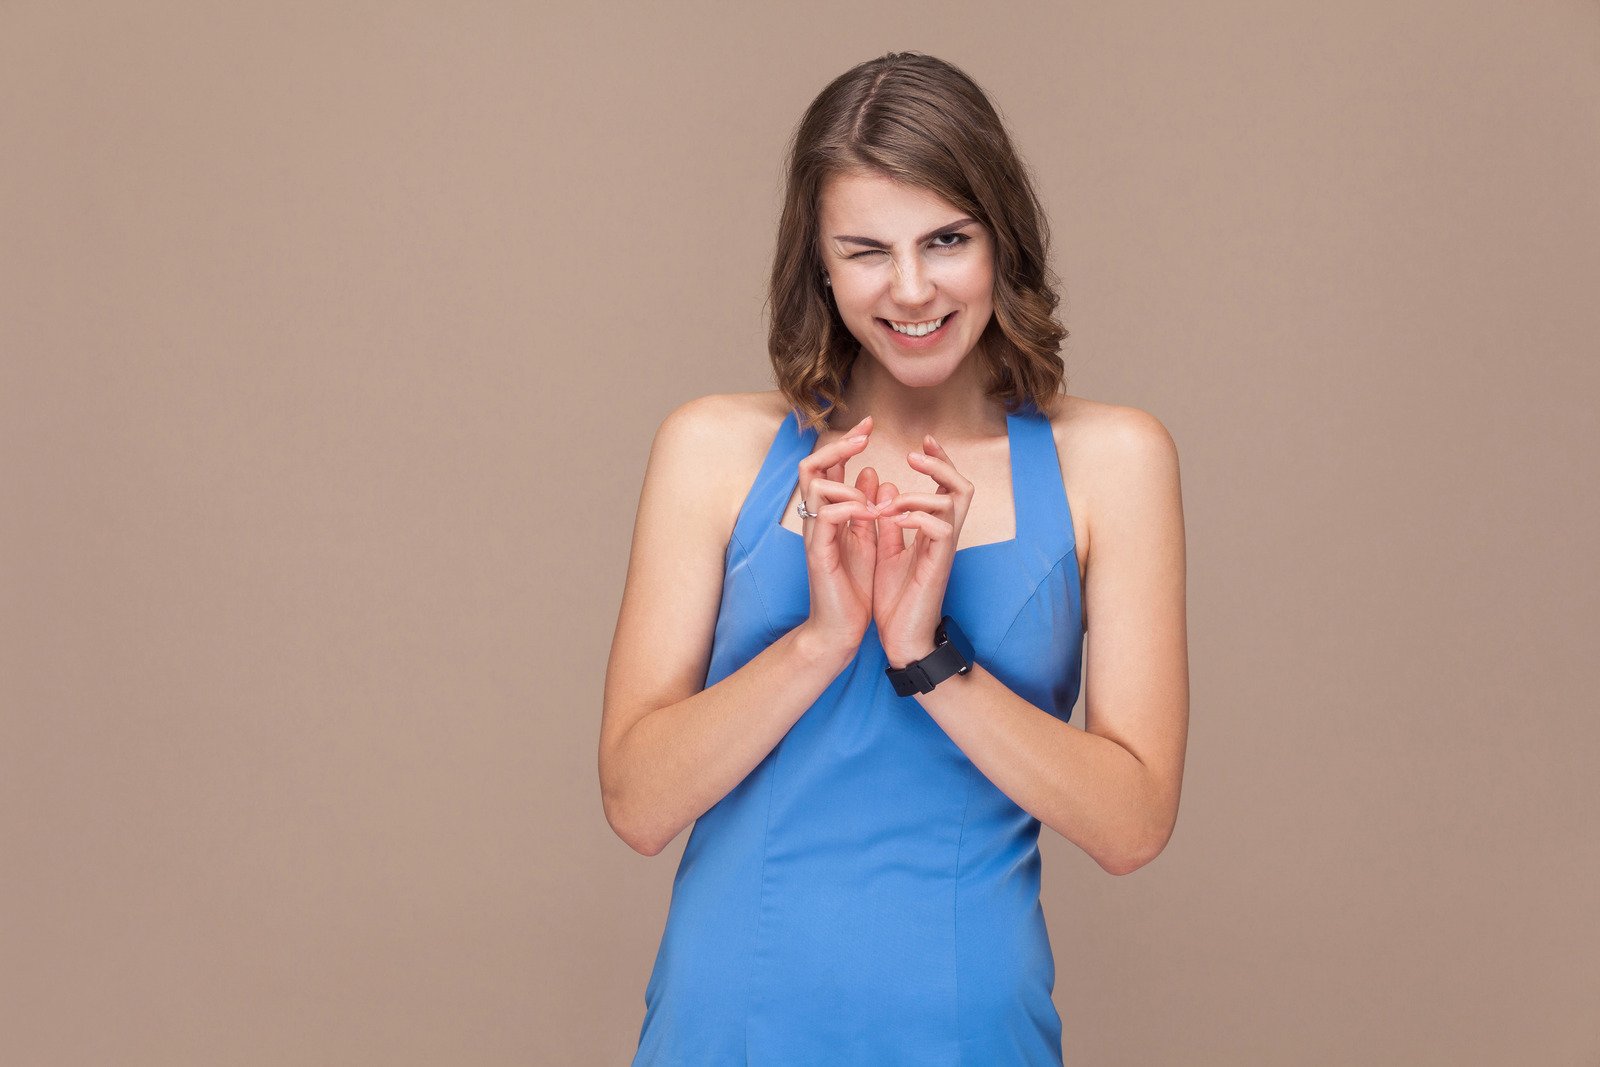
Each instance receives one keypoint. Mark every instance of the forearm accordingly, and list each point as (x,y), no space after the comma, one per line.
(676,762)
(1087,788)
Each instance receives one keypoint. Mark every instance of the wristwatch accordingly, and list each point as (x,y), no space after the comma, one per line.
(952,654)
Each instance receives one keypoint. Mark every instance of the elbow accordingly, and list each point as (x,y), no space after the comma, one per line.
(1128,863)
(618,817)
(1141,853)
(643,847)
(640,843)
(631,834)
(638,834)
(614,803)
(1147,840)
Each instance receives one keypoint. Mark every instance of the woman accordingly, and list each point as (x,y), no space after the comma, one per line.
(867,732)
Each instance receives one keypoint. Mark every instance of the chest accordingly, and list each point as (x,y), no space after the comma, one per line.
(991,517)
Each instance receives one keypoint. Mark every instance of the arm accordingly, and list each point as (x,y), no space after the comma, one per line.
(670,749)
(1111,788)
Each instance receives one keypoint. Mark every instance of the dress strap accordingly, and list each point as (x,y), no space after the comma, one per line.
(1044,518)
(775,482)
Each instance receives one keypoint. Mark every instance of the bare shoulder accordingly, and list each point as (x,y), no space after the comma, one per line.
(708,425)
(1110,431)
(724,436)
(701,415)
(675,570)
(1109,452)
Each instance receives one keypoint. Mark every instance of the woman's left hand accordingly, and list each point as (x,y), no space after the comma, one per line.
(909,583)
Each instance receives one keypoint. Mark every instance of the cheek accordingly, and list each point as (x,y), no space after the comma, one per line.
(854,300)
(973,280)
(983,277)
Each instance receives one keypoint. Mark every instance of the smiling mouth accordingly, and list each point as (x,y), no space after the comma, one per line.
(922,329)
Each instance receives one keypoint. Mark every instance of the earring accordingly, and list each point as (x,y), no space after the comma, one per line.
(827,280)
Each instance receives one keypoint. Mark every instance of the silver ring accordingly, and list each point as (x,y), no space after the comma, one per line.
(804,514)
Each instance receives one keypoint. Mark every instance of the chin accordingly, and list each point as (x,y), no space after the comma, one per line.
(920,374)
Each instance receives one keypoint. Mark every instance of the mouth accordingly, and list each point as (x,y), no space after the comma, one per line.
(920,336)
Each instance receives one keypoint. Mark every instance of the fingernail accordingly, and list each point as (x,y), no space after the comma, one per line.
(857,439)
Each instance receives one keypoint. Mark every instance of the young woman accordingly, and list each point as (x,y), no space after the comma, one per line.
(855,615)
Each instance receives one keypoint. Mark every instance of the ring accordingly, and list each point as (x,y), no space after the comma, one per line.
(804,514)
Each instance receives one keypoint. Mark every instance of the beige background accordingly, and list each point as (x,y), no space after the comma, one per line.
(334,340)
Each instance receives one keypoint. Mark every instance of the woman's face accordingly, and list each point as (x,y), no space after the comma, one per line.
(900,254)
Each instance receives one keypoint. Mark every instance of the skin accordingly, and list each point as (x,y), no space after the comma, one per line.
(670,750)
(895,252)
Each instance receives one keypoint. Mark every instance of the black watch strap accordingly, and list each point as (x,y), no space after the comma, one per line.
(951,655)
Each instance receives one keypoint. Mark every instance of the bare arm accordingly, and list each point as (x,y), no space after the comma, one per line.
(670,749)
(1111,788)
(676,762)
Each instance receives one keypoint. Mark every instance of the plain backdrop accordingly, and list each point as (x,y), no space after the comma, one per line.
(334,339)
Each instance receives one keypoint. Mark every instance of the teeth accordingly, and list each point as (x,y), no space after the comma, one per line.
(918,329)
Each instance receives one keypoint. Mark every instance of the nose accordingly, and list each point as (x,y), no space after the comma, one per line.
(912,287)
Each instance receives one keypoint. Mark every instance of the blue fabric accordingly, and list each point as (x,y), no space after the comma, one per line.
(866,896)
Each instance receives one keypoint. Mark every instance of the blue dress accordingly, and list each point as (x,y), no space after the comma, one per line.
(866,896)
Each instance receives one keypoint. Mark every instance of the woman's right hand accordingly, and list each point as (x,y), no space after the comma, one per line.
(841,542)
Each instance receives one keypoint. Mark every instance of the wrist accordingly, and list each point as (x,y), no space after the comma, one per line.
(898,658)
(819,650)
(951,654)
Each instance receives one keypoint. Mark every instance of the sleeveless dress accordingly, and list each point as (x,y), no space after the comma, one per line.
(866,896)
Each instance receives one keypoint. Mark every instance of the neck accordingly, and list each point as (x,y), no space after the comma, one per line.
(953,410)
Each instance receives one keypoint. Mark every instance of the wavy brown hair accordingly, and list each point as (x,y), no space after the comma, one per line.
(922,121)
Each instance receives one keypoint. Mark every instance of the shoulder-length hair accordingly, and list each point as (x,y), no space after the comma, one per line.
(922,121)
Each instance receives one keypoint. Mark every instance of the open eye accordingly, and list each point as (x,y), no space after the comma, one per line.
(956,241)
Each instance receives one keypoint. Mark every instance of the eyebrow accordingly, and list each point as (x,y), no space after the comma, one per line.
(870,243)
